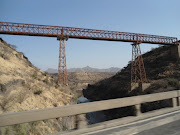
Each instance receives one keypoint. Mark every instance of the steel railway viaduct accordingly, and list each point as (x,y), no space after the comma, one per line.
(138,73)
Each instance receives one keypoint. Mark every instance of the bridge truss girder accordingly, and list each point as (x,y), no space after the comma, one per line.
(81,33)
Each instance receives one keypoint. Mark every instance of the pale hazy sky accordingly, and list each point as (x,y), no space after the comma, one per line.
(159,17)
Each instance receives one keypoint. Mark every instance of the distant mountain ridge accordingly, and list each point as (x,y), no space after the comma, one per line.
(86,69)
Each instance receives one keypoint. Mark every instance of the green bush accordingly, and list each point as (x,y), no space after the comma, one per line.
(173,82)
(17,55)
(5,56)
(19,129)
(34,76)
(64,128)
(44,73)
(46,80)
(38,92)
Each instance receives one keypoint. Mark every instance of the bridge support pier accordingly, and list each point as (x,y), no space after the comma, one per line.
(62,69)
(175,51)
(138,73)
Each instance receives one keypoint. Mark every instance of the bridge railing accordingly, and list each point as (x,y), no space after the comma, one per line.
(12,118)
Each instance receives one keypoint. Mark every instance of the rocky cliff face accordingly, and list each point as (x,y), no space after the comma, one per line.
(163,72)
(25,87)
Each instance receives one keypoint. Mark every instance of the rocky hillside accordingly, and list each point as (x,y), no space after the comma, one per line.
(78,81)
(25,87)
(163,72)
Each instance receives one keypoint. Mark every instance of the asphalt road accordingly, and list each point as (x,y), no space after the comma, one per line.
(168,129)
(137,128)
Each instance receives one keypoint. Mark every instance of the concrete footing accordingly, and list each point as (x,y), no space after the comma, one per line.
(134,86)
(175,51)
(141,86)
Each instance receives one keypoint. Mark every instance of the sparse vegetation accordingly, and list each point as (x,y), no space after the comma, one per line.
(44,73)
(65,128)
(17,55)
(38,92)
(173,82)
(21,129)
(55,104)
(46,80)
(5,56)
(21,88)
(34,76)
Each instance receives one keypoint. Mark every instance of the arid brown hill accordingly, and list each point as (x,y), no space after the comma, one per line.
(25,87)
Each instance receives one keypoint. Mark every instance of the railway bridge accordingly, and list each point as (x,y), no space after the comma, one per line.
(138,73)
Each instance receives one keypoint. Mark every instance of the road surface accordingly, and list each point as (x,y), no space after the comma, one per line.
(151,126)
(168,129)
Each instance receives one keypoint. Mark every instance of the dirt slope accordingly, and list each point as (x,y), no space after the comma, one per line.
(78,81)
(25,87)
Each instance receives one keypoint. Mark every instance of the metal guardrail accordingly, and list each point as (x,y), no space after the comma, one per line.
(50,113)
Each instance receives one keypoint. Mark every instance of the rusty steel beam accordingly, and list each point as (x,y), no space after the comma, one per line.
(81,33)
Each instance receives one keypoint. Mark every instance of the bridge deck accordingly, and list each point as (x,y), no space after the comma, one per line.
(81,33)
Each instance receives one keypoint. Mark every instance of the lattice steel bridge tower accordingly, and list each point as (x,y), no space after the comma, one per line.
(62,69)
(138,73)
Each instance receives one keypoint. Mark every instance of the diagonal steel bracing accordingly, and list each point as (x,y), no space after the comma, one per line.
(62,69)
(138,73)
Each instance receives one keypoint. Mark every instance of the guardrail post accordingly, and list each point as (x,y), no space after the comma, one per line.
(138,109)
(174,102)
(81,121)
(178,98)
(175,51)
(178,101)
